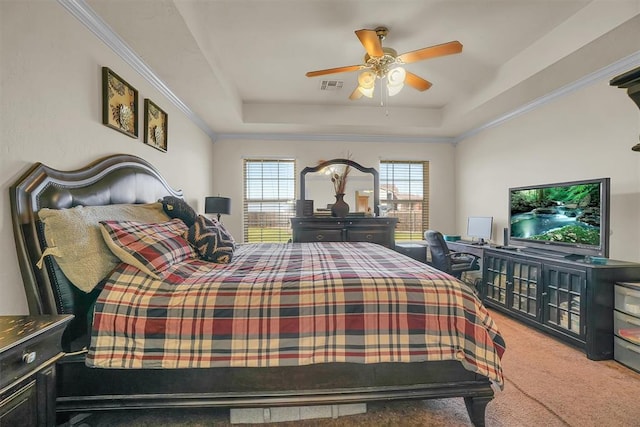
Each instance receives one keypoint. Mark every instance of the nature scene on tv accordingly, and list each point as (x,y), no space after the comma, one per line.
(566,214)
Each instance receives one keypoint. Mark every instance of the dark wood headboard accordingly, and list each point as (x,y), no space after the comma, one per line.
(111,180)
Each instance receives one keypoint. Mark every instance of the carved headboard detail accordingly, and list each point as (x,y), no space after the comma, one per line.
(111,180)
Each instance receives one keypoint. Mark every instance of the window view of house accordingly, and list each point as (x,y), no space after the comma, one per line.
(269,199)
(404,194)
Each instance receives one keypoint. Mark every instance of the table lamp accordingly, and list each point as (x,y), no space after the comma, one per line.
(217,205)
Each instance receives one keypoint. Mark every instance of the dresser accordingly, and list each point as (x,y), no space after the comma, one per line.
(29,349)
(380,230)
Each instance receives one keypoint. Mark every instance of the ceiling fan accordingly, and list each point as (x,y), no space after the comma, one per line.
(384,62)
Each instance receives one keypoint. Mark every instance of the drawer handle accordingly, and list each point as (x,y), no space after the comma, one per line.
(369,237)
(319,236)
(29,357)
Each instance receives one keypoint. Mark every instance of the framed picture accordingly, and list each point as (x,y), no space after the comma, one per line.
(155,126)
(119,104)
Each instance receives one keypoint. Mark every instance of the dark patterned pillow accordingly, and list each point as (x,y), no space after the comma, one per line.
(175,207)
(212,241)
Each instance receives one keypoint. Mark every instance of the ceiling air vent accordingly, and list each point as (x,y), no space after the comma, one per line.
(331,85)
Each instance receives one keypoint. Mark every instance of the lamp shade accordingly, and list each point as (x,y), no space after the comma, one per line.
(217,205)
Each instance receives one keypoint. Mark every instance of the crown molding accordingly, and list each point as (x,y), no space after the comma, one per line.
(104,32)
(618,67)
(335,137)
(87,16)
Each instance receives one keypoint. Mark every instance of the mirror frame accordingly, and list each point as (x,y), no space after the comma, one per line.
(358,166)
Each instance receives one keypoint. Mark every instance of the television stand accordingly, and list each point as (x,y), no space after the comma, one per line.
(571,299)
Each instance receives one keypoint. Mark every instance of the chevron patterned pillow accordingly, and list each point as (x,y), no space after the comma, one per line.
(212,241)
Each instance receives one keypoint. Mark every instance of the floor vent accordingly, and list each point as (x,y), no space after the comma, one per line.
(331,85)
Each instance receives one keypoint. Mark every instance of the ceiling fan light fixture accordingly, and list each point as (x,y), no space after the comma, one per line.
(367,79)
(366,91)
(366,83)
(382,62)
(395,80)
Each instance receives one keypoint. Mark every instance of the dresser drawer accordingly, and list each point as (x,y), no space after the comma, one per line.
(363,235)
(626,326)
(20,408)
(627,299)
(626,353)
(350,229)
(319,235)
(27,356)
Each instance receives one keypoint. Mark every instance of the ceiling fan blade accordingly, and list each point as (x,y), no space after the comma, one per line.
(356,94)
(431,52)
(334,70)
(371,42)
(417,82)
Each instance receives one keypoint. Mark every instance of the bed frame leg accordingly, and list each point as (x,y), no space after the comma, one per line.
(476,407)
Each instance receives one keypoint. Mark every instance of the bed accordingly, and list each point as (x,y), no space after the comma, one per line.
(323,323)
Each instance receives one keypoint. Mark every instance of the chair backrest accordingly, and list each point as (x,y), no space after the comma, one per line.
(439,250)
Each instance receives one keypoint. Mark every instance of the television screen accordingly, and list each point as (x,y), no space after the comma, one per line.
(572,217)
(479,227)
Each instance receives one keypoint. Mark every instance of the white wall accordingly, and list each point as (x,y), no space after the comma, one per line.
(587,134)
(229,155)
(50,112)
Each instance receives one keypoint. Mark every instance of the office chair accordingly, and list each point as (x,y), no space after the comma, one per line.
(454,263)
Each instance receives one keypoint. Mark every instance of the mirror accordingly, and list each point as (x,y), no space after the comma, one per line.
(361,189)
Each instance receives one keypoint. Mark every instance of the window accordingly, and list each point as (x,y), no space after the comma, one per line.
(269,199)
(404,194)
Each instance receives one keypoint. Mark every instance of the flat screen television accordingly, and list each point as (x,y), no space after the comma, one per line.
(570,218)
(479,228)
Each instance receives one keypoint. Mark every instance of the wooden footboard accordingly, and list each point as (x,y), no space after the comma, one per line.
(88,389)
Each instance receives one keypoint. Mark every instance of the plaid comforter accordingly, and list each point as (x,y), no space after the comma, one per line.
(292,304)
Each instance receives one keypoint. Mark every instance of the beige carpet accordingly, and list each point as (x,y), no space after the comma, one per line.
(548,383)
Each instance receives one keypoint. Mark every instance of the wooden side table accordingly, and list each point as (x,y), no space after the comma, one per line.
(29,349)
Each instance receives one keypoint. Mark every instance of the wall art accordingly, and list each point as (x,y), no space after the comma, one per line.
(119,104)
(155,126)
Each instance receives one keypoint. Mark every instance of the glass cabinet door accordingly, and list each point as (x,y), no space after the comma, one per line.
(561,299)
(525,277)
(495,282)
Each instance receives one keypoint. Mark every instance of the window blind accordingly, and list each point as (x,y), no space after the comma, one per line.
(269,199)
(404,194)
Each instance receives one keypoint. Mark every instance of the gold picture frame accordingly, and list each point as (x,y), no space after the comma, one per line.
(119,104)
(155,126)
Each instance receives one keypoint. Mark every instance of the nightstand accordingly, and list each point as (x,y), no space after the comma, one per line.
(29,349)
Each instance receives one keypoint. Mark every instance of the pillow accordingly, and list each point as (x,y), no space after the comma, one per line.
(212,241)
(73,238)
(175,207)
(150,247)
